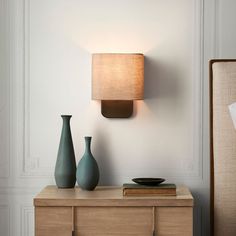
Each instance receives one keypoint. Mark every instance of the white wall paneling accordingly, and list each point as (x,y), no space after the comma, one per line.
(16,211)
(27,221)
(225,25)
(5,116)
(4,90)
(5,220)
(45,72)
(39,162)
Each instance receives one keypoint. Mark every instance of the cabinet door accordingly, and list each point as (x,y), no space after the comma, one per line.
(53,221)
(113,221)
(174,221)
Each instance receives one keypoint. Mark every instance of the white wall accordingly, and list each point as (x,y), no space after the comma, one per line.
(45,71)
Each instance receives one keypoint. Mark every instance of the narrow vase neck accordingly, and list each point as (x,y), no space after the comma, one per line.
(66,118)
(88,144)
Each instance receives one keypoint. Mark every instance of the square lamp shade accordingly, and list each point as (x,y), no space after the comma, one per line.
(117,80)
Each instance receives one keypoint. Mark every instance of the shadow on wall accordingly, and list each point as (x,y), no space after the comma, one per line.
(163,82)
(103,156)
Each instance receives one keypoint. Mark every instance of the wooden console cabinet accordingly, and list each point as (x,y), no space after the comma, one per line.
(105,212)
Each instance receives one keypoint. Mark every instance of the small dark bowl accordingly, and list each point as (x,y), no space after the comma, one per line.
(148,181)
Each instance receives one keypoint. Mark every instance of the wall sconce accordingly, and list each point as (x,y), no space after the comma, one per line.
(117,80)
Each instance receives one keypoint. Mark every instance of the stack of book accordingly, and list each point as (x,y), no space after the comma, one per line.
(143,190)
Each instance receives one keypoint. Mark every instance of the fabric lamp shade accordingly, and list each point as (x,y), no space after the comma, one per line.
(117,76)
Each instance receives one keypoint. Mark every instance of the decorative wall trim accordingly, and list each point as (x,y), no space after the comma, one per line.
(12,191)
(7,216)
(4,108)
(216,29)
(198,75)
(27,213)
(29,165)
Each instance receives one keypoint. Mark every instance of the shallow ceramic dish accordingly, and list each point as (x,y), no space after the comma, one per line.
(148,181)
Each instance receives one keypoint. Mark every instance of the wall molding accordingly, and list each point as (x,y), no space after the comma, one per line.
(13,191)
(4,107)
(30,165)
(198,78)
(216,29)
(27,213)
(7,216)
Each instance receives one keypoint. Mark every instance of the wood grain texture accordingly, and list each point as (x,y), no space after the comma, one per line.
(108,196)
(53,221)
(113,221)
(223,154)
(174,221)
(105,212)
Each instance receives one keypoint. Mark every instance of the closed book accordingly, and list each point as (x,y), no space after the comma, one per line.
(142,190)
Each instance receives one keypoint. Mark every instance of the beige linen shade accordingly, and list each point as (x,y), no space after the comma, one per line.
(117,76)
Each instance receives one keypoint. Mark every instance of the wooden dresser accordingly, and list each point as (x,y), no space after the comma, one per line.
(105,212)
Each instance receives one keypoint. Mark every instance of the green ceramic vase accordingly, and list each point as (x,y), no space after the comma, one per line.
(87,174)
(65,170)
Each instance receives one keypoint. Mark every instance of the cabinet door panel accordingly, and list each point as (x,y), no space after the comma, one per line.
(174,221)
(113,221)
(53,221)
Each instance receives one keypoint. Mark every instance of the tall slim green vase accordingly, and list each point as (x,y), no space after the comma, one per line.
(65,170)
(87,174)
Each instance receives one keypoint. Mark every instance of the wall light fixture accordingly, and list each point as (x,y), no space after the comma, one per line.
(117,80)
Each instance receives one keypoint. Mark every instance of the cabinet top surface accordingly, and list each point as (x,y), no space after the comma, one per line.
(108,196)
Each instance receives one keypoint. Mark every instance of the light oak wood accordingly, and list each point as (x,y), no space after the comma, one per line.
(108,196)
(53,221)
(105,212)
(174,221)
(113,221)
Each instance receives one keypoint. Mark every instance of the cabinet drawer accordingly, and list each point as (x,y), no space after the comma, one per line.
(53,221)
(113,221)
(174,221)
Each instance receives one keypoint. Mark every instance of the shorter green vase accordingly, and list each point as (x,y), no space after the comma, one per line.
(87,173)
